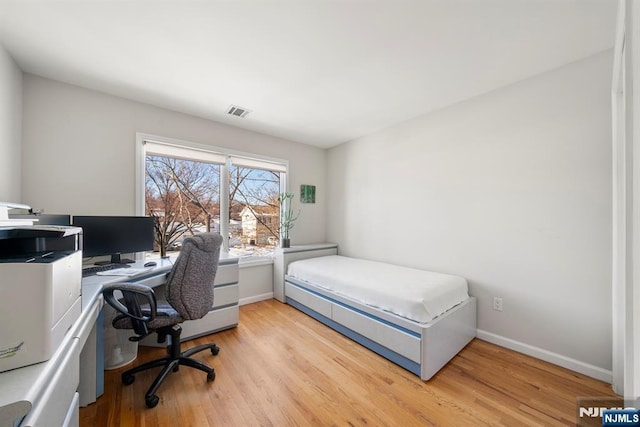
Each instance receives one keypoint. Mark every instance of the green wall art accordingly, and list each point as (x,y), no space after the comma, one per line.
(308,193)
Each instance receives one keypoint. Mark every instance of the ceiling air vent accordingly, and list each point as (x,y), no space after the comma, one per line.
(234,110)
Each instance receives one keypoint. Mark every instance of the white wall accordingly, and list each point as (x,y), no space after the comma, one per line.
(79,148)
(511,189)
(256,282)
(10,128)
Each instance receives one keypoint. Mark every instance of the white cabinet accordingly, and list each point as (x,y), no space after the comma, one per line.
(287,255)
(223,315)
(59,402)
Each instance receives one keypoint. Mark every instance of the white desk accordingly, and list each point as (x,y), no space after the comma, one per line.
(45,393)
(50,393)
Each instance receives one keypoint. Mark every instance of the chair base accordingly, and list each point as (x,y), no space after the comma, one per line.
(171,363)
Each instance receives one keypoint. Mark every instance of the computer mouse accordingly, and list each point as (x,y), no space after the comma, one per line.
(150,264)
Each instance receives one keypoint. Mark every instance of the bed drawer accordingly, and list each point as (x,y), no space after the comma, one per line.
(386,335)
(312,301)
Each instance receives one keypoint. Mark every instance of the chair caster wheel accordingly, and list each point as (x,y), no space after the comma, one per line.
(211,376)
(128,379)
(151,401)
(215,350)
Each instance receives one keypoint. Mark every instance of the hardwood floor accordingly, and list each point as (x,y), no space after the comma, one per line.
(280,367)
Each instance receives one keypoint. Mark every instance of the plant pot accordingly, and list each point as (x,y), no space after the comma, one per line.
(285,243)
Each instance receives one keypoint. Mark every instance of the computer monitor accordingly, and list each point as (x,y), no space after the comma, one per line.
(115,235)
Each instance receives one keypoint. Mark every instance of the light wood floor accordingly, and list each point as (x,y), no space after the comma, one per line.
(280,367)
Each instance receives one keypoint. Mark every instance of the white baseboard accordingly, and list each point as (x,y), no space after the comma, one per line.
(255,298)
(557,359)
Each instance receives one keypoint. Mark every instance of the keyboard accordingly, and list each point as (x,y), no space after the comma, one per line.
(90,271)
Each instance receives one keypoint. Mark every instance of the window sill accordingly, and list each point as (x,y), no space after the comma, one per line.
(254,261)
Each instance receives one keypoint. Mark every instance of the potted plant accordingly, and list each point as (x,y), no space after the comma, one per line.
(287,218)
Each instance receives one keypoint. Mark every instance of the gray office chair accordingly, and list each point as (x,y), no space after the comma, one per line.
(189,295)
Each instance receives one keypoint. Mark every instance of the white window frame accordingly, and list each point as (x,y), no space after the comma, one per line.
(226,157)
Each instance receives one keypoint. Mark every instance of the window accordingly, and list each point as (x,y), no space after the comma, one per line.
(183,196)
(253,210)
(191,189)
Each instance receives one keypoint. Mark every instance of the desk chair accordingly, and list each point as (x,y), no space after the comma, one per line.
(189,295)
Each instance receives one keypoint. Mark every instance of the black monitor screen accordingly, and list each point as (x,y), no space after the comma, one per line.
(113,235)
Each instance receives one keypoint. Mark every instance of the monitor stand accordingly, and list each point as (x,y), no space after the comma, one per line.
(116,259)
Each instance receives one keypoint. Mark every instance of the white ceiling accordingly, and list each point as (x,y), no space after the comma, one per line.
(319,72)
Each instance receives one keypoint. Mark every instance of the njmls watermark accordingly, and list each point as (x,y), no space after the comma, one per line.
(608,411)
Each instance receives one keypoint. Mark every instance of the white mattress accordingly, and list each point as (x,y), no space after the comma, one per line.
(417,295)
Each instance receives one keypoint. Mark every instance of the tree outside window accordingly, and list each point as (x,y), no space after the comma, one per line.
(183,195)
(253,210)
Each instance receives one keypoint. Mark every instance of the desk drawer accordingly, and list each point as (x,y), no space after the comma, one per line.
(226,295)
(55,403)
(73,415)
(214,321)
(227,274)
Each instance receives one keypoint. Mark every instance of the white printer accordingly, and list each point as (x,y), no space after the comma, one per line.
(40,291)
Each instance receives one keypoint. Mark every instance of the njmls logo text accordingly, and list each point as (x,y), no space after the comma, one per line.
(594,411)
(621,417)
(613,416)
(608,412)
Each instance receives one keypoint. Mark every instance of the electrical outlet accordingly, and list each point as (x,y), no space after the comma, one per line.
(497,304)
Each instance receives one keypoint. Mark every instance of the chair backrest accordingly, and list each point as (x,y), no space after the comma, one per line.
(189,287)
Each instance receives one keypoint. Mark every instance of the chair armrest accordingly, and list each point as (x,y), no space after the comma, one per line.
(135,296)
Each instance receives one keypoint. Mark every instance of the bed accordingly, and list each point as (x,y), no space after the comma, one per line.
(384,307)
